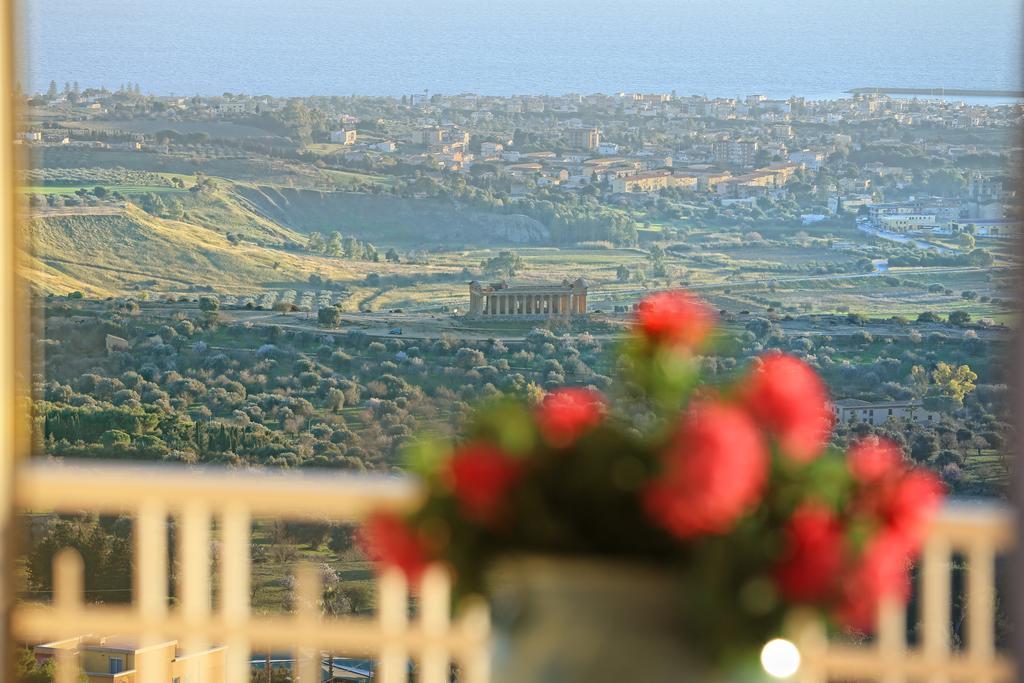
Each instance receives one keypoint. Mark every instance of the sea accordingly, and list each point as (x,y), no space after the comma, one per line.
(723,48)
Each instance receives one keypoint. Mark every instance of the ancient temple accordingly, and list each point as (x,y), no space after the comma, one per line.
(528,301)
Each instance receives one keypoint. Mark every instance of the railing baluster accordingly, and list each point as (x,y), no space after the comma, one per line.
(981,605)
(935,605)
(892,640)
(151,584)
(68,599)
(393,615)
(234,590)
(306,607)
(435,619)
(474,627)
(194,551)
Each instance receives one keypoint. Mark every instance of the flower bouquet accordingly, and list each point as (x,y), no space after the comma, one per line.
(726,497)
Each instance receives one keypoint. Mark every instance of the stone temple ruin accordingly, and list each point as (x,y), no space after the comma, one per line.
(528,301)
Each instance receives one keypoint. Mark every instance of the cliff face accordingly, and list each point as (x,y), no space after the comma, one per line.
(383,218)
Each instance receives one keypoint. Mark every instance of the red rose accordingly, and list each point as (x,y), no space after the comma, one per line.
(480,475)
(789,399)
(567,414)
(714,471)
(813,556)
(872,460)
(881,572)
(675,317)
(389,542)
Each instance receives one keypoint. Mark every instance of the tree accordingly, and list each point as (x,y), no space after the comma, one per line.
(967,242)
(959,317)
(208,303)
(924,446)
(622,274)
(315,243)
(107,557)
(333,245)
(506,263)
(954,382)
(328,316)
(28,670)
(392,256)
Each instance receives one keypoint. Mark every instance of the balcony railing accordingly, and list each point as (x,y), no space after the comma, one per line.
(230,499)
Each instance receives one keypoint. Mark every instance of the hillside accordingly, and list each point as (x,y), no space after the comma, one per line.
(383,218)
(103,254)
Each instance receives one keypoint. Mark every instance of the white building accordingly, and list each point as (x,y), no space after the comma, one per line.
(907,222)
(490,150)
(810,159)
(849,410)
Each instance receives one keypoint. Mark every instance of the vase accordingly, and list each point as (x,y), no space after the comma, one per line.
(578,620)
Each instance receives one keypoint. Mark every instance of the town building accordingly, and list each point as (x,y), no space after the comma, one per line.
(345,136)
(812,160)
(907,222)
(528,301)
(652,181)
(849,410)
(989,228)
(583,138)
(112,659)
(735,152)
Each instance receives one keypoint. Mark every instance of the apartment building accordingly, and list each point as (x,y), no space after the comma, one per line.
(734,152)
(652,181)
(583,138)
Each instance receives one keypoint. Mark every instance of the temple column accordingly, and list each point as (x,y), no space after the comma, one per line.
(528,310)
(520,304)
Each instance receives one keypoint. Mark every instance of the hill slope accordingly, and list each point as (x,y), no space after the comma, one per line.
(385,218)
(131,250)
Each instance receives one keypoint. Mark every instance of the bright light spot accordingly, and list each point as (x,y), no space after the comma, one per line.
(780,658)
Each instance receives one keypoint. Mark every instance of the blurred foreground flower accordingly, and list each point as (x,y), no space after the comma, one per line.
(389,541)
(789,399)
(567,414)
(714,471)
(675,317)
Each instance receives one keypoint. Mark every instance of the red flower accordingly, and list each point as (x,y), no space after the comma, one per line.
(715,470)
(567,414)
(902,501)
(909,504)
(813,556)
(389,542)
(675,317)
(480,475)
(872,460)
(881,572)
(789,399)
